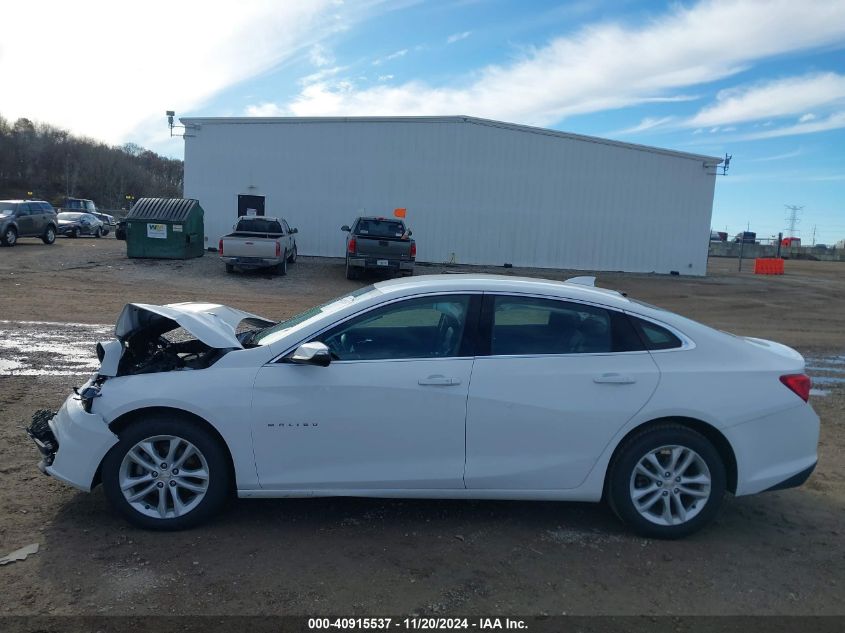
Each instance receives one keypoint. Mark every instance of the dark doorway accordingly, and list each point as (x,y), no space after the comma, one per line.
(250,205)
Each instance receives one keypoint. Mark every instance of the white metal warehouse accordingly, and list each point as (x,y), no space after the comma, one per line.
(476,191)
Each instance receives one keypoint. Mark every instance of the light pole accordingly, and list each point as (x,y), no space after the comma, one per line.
(129,200)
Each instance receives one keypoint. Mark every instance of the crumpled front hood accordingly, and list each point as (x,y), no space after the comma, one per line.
(211,323)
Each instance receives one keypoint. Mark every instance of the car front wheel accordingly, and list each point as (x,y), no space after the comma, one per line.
(166,473)
(667,482)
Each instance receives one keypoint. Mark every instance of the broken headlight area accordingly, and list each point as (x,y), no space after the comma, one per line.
(40,432)
(89,391)
(151,351)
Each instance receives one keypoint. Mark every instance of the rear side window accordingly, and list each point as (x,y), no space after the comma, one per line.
(654,336)
(528,325)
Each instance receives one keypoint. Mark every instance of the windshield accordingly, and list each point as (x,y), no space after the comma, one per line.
(259,225)
(275,332)
(69,216)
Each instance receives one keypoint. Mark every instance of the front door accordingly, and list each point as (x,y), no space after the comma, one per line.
(387,413)
(560,380)
(26,219)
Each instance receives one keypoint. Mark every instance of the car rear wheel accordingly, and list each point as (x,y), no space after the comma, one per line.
(667,482)
(230,268)
(166,473)
(9,237)
(282,267)
(75,233)
(292,258)
(97,232)
(351,272)
(49,235)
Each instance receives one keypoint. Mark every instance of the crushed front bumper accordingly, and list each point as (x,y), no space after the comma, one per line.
(72,443)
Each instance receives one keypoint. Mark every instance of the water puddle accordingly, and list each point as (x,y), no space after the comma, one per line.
(826,371)
(47,348)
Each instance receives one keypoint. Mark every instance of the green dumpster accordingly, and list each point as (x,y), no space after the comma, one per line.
(165,228)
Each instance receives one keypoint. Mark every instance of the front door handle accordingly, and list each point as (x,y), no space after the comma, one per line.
(439,379)
(615,379)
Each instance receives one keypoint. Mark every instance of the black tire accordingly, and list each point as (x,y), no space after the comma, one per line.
(230,268)
(351,271)
(49,235)
(76,233)
(9,237)
(292,257)
(98,233)
(163,424)
(638,447)
(282,266)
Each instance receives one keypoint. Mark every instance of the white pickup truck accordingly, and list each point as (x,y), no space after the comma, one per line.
(259,242)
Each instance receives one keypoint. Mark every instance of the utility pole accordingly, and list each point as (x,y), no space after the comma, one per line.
(792,219)
(814,235)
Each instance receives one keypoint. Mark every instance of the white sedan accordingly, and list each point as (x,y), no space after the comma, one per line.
(446,386)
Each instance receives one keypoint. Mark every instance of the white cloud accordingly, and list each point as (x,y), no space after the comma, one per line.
(132,61)
(784,156)
(835,121)
(604,66)
(782,97)
(396,55)
(807,117)
(457,37)
(320,55)
(385,77)
(648,123)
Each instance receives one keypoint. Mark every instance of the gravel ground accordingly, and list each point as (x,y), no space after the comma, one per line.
(778,553)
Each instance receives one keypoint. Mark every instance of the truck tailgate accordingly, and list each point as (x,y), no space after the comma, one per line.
(383,248)
(249,247)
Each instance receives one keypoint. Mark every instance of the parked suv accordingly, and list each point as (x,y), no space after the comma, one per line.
(27,218)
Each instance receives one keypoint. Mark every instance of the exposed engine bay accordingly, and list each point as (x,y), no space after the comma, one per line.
(176,337)
(149,351)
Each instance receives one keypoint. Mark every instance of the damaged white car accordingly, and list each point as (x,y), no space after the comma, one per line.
(452,386)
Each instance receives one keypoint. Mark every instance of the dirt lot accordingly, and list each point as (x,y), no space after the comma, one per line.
(779,553)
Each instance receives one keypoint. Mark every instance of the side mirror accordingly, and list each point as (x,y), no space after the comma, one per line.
(314,353)
(346,228)
(294,231)
(410,233)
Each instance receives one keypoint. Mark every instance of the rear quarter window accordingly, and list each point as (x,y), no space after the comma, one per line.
(655,337)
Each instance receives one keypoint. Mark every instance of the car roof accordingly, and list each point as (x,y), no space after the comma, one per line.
(379,218)
(502,283)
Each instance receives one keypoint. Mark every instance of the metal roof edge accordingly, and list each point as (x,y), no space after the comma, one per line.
(199,121)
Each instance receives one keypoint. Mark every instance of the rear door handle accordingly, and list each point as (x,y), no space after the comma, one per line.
(439,379)
(615,379)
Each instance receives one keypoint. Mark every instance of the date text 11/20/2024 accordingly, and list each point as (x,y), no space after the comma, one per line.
(417,623)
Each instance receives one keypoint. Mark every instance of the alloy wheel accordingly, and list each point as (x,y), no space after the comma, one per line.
(164,476)
(670,485)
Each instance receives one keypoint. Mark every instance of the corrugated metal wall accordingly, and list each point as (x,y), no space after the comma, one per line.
(475,193)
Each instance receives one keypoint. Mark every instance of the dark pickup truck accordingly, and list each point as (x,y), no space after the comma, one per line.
(379,244)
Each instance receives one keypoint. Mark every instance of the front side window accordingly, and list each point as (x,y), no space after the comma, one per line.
(425,327)
(530,326)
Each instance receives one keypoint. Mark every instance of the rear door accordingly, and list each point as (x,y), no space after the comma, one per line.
(25,219)
(559,380)
(382,239)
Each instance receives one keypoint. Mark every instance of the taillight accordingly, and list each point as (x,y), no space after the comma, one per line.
(278,249)
(799,384)
(350,246)
(413,250)
(220,247)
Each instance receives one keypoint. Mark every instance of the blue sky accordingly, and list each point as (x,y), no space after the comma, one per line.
(763,81)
